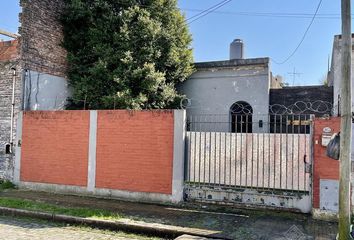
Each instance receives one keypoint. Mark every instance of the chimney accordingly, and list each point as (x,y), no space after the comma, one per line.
(237,49)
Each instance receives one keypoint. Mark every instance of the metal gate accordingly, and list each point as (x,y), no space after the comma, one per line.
(254,160)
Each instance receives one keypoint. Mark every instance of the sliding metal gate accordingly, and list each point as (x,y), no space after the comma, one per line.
(253,160)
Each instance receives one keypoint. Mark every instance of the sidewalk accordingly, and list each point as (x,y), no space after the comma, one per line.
(229,223)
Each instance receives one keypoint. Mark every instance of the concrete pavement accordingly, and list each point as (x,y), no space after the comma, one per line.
(227,222)
(24,229)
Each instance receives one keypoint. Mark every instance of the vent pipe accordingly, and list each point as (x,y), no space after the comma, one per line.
(237,49)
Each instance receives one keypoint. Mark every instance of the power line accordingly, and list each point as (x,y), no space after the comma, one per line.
(303,37)
(269,14)
(207,11)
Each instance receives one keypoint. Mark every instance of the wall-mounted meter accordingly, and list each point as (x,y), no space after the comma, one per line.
(326,136)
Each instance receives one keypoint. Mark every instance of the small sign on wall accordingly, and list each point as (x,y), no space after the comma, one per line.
(326,136)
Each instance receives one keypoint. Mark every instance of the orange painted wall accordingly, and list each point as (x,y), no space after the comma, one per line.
(324,167)
(135,151)
(55,147)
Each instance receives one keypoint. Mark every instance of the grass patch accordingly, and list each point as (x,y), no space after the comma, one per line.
(6,184)
(51,208)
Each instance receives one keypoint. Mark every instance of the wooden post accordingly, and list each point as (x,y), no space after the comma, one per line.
(346,122)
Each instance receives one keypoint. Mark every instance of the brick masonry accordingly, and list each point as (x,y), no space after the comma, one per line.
(324,167)
(8,59)
(41,37)
(135,150)
(55,147)
(138,148)
(37,50)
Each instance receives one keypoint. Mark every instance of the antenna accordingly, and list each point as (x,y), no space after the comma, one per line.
(294,74)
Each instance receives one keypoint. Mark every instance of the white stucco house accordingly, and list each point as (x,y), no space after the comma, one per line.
(237,94)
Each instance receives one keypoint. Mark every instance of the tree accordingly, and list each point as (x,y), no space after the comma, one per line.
(126,53)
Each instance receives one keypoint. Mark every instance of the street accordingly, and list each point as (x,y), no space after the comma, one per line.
(25,229)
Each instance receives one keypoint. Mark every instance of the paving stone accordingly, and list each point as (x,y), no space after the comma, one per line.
(25,229)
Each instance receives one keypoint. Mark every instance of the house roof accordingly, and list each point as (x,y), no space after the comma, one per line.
(232,63)
(8,50)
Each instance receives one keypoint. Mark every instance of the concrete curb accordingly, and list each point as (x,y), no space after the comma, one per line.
(151,229)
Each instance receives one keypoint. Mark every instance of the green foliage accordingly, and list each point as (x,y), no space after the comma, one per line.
(5,184)
(126,54)
(56,209)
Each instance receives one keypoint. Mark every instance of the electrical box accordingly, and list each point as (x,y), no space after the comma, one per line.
(329,192)
(326,136)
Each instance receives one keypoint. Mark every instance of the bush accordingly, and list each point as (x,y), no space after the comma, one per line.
(6,184)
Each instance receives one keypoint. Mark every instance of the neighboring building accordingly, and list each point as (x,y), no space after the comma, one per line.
(9,60)
(40,68)
(334,79)
(316,100)
(277,82)
(43,60)
(334,75)
(240,94)
(218,87)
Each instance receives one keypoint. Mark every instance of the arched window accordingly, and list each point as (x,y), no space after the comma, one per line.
(241,117)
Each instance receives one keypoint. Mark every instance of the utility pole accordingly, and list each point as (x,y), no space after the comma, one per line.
(346,122)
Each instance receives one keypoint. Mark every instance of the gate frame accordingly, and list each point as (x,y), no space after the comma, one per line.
(254,198)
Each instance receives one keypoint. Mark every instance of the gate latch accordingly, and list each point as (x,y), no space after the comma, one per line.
(308,166)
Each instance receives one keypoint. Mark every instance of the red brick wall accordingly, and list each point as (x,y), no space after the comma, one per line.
(55,147)
(324,167)
(135,151)
(8,50)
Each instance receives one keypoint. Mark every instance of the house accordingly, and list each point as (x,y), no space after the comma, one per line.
(242,95)
(234,95)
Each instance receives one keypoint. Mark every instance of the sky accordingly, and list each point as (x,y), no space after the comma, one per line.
(269,28)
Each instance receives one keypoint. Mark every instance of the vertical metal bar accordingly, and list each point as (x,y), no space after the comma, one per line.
(200,150)
(269,157)
(305,157)
(219,158)
(230,144)
(298,154)
(257,185)
(195,150)
(292,155)
(241,151)
(286,152)
(225,152)
(281,151)
(204,146)
(215,149)
(210,129)
(188,150)
(236,151)
(246,150)
(263,166)
(252,147)
(274,153)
